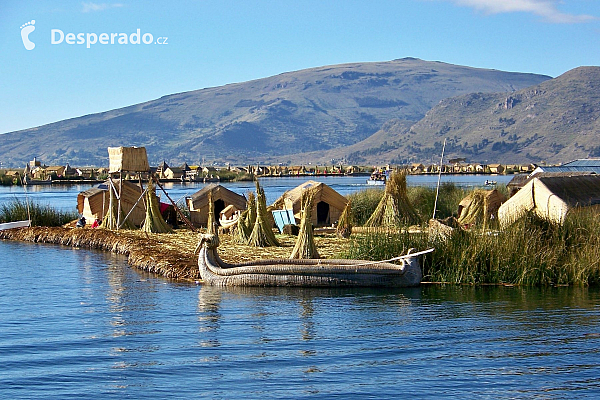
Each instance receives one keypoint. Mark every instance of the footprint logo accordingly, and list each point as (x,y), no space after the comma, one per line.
(26,29)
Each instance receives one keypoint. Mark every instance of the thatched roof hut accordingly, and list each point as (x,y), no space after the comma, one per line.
(480,206)
(93,203)
(221,198)
(520,180)
(328,204)
(552,197)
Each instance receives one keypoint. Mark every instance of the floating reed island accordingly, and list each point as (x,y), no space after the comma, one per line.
(169,255)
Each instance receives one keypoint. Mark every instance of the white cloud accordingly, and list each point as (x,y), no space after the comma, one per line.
(93,7)
(544,8)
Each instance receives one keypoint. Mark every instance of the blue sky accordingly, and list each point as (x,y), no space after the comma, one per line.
(212,43)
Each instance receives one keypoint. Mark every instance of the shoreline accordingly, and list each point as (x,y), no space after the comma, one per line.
(170,255)
(146,254)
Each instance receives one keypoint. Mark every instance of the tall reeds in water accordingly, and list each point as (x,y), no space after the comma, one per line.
(305,246)
(532,251)
(41,215)
(394,210)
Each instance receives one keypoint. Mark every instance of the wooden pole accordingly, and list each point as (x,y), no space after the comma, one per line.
(119,203)
(183,217)
(437,191)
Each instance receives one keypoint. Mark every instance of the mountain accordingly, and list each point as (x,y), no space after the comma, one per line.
(264,120)
(555,121)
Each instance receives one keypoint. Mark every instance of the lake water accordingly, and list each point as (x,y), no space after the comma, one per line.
(64,197)
(82,324)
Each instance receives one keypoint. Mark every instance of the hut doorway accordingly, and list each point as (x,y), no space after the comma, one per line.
(322,213)
(219,206)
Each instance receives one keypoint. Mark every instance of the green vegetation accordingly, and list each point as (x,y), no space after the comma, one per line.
(364,203)
(530,252)
(231,176)
(41,215)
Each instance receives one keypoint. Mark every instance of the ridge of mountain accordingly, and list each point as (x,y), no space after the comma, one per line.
(555,121)
(269,119)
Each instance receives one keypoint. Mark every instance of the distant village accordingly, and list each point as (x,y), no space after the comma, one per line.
(36,172)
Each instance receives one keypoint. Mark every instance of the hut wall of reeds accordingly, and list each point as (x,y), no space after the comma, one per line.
(328,205)
(94,203)
(551,198)
(128,159)
(221,198)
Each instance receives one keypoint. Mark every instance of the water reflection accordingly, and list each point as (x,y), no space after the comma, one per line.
(82,324)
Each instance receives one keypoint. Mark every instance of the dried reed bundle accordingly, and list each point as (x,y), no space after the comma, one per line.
(394,210)
(475,210)
(305,246)
(154,222)
(211,225)
(344,226)
(262,233)
(246,221)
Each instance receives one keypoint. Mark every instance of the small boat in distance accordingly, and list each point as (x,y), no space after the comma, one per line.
(377,178)
(490,183)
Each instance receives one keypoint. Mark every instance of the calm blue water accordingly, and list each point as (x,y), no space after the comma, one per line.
(64,197)
(81,324)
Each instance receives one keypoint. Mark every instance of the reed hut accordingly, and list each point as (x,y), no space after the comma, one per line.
(221,198)
(551,198)
(328,205)
(480,207)
(94,203)
(127,159)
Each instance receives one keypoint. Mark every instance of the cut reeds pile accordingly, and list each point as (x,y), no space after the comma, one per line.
(262,233)
(154,222)
(475,209)
(305,246)
(394,210)
(246,221)
(344,226)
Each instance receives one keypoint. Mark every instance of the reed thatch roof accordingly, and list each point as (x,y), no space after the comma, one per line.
(221,198)
(552,197)
(328,204)
(520,180)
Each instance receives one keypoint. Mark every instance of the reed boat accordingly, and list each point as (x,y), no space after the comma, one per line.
(306,273)
(15,224)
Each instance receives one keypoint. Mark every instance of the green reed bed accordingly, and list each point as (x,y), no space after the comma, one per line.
(530,252)
(41,215)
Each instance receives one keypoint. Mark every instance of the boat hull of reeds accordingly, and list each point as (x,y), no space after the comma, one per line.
(304,272)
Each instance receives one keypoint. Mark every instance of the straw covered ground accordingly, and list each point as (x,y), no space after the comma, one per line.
(170,255)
